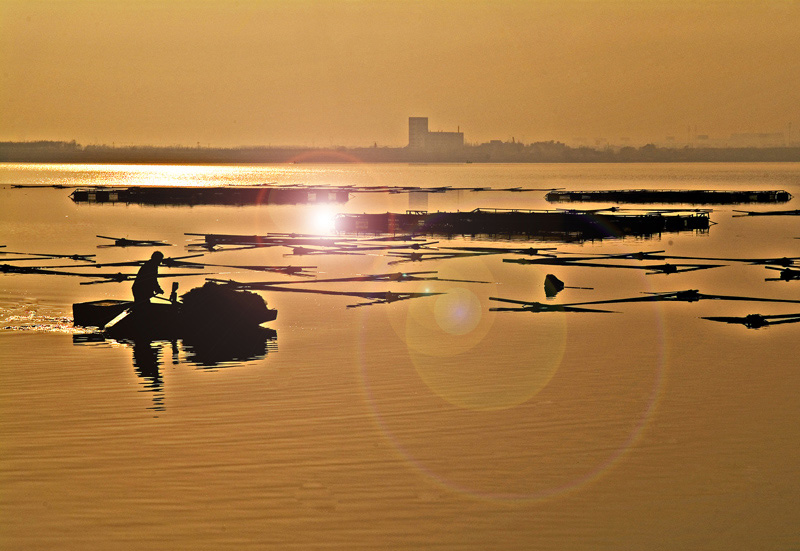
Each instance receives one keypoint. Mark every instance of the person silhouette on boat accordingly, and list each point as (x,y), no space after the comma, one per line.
(146,286)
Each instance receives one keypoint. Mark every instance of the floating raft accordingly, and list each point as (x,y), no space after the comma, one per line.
(533,223)
(694,197)
(210,195)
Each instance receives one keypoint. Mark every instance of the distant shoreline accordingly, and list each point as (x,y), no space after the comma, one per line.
(494,152)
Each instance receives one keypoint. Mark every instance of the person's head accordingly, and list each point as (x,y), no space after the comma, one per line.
(158,256)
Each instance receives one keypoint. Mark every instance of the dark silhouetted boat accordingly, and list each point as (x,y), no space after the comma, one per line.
(209,310)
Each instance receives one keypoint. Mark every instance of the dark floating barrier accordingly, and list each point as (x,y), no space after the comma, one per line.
(572,225)
(216,195)
(694,197)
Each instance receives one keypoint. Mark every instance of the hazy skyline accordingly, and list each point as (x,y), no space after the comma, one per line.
(351,72)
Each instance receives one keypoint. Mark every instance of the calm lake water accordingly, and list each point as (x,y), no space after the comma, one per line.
(429,423)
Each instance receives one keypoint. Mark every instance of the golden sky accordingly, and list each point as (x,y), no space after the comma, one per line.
(351,72)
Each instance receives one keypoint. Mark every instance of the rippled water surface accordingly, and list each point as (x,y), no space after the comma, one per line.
(429,423)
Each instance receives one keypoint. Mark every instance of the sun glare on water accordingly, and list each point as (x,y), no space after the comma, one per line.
(321,220)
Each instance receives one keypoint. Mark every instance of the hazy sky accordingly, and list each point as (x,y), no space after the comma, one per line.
(351,72)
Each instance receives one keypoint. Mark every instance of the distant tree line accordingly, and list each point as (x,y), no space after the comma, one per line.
(491,152)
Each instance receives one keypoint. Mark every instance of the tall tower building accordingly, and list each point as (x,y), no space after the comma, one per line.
(417,132)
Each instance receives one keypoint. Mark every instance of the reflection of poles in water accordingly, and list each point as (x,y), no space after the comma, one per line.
(146,356)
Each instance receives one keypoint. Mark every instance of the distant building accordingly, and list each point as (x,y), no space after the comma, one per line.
(421,139)
(417,132)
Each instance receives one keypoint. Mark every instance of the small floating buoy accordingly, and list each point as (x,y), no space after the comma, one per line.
(552,285)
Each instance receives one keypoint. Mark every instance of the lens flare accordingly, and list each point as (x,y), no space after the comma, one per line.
(532,384)
(321,219)
(457,312)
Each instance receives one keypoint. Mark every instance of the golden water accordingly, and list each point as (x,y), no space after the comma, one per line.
(431,423)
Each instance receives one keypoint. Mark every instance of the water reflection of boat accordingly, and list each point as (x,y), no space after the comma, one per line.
(226,349)
(203,312)
(235,347)
(222,350)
